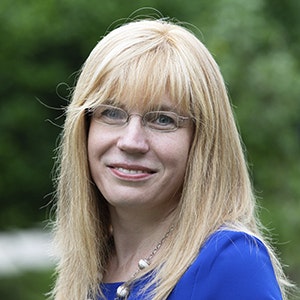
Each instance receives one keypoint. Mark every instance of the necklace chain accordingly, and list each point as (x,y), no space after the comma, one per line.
(124,289)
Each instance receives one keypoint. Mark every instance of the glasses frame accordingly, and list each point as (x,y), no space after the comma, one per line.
(180,121)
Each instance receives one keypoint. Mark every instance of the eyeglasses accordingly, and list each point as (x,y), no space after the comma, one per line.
(164,121)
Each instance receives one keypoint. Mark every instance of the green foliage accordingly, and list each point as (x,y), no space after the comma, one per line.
(26,286)
(257,57)
(256,43)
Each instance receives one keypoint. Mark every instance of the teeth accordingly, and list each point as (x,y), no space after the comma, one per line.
(127,171)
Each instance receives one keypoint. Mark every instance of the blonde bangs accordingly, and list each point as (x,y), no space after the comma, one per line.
(144,80)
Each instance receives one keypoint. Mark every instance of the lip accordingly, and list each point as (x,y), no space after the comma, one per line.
(131,172)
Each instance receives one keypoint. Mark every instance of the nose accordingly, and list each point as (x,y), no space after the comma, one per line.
(133,138)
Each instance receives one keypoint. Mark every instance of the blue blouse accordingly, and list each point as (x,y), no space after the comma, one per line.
(231,265)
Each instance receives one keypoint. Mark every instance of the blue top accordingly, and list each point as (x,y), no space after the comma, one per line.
(231,265)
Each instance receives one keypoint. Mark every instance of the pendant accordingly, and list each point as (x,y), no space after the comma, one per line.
(122,291)
(143,263)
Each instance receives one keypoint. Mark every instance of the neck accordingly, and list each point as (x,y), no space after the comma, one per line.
(134,238)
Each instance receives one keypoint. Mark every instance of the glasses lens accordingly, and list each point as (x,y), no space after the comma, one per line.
(161,120)
(110,115)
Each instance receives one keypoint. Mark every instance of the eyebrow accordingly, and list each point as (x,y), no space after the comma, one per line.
(169,107)
(165,107)
(158,107)
(111,102)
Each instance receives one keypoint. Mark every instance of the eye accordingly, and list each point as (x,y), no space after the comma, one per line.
(161,120)
(109,114)
(113,113)
(164,119)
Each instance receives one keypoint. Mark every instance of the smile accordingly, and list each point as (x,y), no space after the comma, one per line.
(130,171)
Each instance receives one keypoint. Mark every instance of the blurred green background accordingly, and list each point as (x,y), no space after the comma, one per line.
(43,45)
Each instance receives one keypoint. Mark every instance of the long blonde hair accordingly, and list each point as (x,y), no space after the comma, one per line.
(140,61)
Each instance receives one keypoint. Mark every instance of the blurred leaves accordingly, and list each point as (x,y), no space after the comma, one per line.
(26,286)
(256,43)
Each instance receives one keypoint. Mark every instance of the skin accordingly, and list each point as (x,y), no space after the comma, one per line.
(140,173)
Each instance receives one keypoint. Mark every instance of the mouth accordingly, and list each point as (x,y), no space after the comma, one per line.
(131,170)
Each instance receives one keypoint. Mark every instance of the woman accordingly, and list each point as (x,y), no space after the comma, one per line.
(154,197)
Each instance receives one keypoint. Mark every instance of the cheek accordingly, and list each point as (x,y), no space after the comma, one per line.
(97,140)
(183,150)
(91,152)
(91,142)
(95,145)
(183,142)
(175,151)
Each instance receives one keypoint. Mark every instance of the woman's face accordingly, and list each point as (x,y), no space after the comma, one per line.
(137,167)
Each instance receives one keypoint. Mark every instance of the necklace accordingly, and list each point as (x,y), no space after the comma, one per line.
(123,290)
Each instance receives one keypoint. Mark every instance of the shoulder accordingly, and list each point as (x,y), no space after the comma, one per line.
(231,265)
(223,245)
